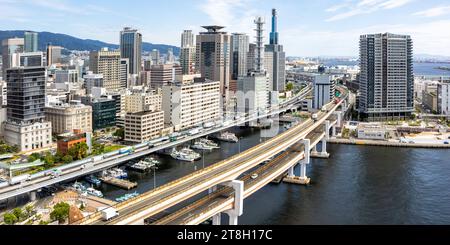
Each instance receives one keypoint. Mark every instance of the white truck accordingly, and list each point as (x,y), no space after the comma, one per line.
(209,125)
(109,213)
(20,179)
(315,117)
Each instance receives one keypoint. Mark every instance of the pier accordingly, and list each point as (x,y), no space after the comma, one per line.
(124,184)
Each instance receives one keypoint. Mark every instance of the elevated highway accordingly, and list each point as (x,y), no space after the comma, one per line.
(136,210)
(90,166)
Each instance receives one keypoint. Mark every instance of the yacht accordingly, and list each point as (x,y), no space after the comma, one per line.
(115,173)
(91,179)
(79,187)
(127,197)
(186,155)
(94,192)
(210,143)
(228,137)
(144,165)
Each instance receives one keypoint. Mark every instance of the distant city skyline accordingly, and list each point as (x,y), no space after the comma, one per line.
(319,28)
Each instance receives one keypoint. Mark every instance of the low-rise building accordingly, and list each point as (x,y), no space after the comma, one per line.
(143,126)
(371,132)
(66,143)
(28,136)
(69,117)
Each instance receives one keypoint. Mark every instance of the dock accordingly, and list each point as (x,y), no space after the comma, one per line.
(124,184)
(279,179)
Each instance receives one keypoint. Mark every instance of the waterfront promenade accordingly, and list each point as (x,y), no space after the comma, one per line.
(385,143)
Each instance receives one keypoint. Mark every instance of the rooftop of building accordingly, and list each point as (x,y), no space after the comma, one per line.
(212,29)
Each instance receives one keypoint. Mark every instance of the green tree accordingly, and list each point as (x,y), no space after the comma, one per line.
(49,159)
(79,151)
(289,86)
(60,212)
(10,219)
(120,133)
(29,209)
(67,159)
(18,212)
(33,157)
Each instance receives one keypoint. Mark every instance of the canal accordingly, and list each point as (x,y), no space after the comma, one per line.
(357,185)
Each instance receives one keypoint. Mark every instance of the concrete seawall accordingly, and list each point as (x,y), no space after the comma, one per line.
(386,143)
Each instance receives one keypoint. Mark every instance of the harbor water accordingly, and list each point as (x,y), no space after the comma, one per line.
(357,185)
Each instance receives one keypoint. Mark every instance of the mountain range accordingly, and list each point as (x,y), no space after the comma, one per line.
(74,43)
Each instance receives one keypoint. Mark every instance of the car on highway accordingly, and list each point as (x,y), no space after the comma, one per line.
(254,176)
(446,143)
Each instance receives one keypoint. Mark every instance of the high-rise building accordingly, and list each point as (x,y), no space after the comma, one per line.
(30,59)
(170,59)
(111,66)
(66,76)
(131,49)
(26,94)
(239,55)
(386,80)
(3,93)
(9,48)
(253,90)
(187,60)
(275,58)
(53,55)
(443,91)
(124,73)
(163,74)
(251,57)
(92,80)
(189,105)
(31,42)
(26,127)
(156,57)
(324,90)
(187,39)
(213,57)
(187,52)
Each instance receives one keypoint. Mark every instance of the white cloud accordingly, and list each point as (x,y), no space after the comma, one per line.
(434,12)
(428,38)
(233,14)
(350,9)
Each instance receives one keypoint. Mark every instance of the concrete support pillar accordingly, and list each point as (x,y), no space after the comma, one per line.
(324,147)
(327,130)
(33,196)
(233,219)
(217,219)
(291,171)
(238,209)
(333,133)
(314,150)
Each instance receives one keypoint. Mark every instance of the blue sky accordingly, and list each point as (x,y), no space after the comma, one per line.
(307,28)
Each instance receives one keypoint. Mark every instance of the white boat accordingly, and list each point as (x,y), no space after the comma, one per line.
(186,155)
(145,165)
(94,192)
(210,143)
(228,137)
(115,173)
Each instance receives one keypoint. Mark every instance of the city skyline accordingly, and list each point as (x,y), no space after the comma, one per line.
(322,28)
